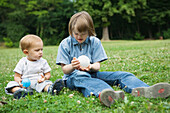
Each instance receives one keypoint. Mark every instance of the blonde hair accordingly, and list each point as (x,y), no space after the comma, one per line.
(27,41)
(82,21)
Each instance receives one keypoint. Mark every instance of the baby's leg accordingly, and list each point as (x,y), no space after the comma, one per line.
(46,87)
(56,87)
(13,88)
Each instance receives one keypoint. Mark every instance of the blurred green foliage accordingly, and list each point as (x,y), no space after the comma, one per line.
(49,18)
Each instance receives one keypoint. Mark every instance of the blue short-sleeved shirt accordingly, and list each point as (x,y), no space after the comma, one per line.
(91,47)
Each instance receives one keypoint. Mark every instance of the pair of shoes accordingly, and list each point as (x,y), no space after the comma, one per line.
(108,96)
(22,93)
(56,87)
(158,90)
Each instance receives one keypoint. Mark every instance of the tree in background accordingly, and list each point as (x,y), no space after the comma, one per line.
(156,16)
(51,18)
(115,20)
(13,21)
(102,10)
(45,18)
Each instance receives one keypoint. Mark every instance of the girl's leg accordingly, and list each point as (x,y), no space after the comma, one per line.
(125,80)
(157,90)
(83,82)
(131,84)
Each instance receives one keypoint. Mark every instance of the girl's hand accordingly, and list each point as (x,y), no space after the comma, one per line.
(85,69)
(42,79)
(75,63)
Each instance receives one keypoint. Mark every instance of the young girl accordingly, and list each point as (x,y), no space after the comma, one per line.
(34,67)
(90,80)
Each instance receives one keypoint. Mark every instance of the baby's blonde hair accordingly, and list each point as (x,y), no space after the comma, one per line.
(82,21)
(27,41)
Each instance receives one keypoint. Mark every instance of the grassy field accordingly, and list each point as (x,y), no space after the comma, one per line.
(148,60)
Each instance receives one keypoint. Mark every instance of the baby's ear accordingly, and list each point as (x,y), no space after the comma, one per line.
(25,51)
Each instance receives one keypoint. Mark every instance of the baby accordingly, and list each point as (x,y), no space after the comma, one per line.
(34,67)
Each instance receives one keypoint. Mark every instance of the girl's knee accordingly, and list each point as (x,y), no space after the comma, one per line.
(127,74)
(82,74)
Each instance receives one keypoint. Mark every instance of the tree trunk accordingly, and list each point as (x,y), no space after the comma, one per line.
(150,34)
(105,34)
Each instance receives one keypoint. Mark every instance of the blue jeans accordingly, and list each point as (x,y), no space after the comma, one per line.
(94,83)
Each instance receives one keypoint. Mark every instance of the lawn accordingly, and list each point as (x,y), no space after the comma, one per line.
(148,60)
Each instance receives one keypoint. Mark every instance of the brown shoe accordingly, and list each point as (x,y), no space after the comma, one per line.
(108,96)
(158,90)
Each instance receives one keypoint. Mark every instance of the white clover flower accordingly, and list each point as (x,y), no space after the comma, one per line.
(55,91)
(132,103)
(91,93)
(71,95)
(78,101)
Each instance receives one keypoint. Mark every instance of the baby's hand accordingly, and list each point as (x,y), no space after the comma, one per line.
(42,79)
(21,85)
(75,63)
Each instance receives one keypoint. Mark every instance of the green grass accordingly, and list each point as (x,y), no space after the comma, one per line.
(148,60)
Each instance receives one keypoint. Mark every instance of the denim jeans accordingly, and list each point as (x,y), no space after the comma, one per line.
(94,83)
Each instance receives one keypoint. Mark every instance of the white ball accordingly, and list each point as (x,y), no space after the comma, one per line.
(84,61)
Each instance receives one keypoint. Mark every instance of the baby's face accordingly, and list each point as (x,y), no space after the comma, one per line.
(80,37)
(35,52)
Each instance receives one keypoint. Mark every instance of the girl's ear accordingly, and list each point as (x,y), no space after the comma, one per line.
(25,51)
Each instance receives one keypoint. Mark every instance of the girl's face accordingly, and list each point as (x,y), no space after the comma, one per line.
(80,37)
(35,52)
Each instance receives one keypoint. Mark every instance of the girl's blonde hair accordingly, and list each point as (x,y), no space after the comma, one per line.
(82,21)
(27,41)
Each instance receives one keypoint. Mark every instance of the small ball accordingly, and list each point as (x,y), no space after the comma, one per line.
(84,61)
(26,82)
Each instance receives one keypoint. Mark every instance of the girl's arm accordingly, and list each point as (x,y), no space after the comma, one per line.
(75,64)
(67,69)
(94,67)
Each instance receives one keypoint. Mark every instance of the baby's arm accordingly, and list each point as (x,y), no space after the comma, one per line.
(17,78)
(47,75)
(44,77)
